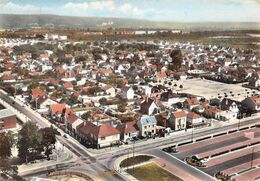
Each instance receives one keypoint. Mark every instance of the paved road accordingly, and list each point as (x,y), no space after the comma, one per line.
(97,168)
(191,170)
(210,147)
(231,163)
(102,164)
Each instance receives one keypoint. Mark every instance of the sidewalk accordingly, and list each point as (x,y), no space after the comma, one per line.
(122,171)
(60,157)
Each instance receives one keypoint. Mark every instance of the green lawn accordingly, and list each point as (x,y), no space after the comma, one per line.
(77,109)
(152,172)
(135,160)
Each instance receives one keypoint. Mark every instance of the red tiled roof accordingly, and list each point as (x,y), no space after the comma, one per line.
(255,99)
(105,71)
(71,117)
(53,81)
(68,85)
(7,77)
(57,108)
(68,56)
(214,110)
(44,55)
(192,101)
(192,115)
(99,131)
(127,127)
(37,93)
(161,74)
(179,114)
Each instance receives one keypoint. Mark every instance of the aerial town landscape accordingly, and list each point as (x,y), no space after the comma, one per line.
(111,90)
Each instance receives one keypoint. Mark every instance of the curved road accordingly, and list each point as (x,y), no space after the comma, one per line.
(101,166)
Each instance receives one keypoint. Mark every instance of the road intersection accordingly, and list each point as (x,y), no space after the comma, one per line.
(101,166)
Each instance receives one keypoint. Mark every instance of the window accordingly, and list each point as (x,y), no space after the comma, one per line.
(103,138)
(145,127)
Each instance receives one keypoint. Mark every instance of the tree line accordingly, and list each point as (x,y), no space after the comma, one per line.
(32,144)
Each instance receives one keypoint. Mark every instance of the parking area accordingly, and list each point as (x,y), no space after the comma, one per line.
(236,154)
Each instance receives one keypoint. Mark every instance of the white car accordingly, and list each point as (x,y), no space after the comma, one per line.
(204,160)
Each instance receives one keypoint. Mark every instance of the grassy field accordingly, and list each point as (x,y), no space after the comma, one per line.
(152,172)
(135,160)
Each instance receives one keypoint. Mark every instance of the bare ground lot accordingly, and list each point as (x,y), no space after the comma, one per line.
(212,89)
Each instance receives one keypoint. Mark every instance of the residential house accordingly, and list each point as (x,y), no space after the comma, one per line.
(7,119)
(38,94)
(194,119)
(252,103)
(212,112)
(72,123)
(161,75)
(46,103)
(229,105)
(177,120)
(226,115)
(179,75)
(128,131)
(127,92)
(68,86)
(99,136)
(147,126)
(149,107)
(170,97)
(190,103)
(254,80)
(58,110)
(110,90)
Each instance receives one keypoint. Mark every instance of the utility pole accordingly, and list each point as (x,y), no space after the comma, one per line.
(192,133)
(36,100)
(252,157)
(238,126)
(133,154)
(127,159)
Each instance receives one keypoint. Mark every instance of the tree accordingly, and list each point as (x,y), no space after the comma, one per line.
(7,168)
(122,106)
(29,142)
(176,56)
(103,101)
(48,140)
(72,100)
(5,146)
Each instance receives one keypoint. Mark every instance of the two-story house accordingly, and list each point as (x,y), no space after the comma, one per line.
(147,126)
(177,120)
(99,136)
(252,103)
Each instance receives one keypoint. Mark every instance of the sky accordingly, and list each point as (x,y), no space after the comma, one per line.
(159,10)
